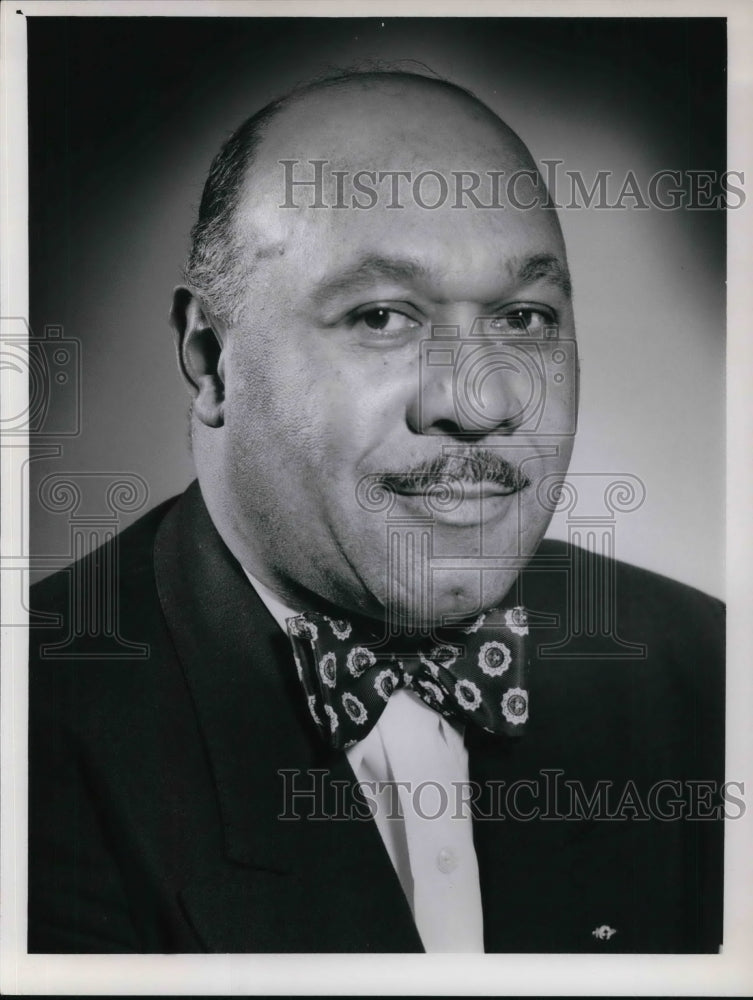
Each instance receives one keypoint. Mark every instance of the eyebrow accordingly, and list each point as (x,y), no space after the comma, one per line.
(544,267)
(372,267)
(368,269)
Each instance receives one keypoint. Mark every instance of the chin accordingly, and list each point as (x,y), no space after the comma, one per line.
(453,595)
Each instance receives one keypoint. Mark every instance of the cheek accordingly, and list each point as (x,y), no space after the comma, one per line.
(302,406)
(289,420)
(269,390)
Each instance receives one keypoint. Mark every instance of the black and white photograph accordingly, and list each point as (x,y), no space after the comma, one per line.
(374,535)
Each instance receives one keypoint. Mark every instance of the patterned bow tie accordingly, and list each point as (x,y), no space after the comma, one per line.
(479,676)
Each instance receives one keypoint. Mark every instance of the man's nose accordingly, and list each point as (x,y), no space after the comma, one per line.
(470,390)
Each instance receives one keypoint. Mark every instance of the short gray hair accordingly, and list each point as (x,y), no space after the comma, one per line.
(213,268)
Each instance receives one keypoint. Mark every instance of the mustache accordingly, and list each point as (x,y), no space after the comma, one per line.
(478,466)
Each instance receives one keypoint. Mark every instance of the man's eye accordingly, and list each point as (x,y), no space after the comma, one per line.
(524,321)
(387,321)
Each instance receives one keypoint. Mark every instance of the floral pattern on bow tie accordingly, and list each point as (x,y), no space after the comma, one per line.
(348,677)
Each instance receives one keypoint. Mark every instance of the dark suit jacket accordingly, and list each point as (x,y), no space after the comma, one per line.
(155,792)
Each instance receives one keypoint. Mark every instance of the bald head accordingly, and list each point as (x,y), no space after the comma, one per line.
(380,124)
(372,117)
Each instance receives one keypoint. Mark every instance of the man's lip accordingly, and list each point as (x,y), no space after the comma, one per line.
(479,503)
(461,490)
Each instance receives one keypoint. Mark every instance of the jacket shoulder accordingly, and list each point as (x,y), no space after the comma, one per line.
(134,546)
(636,588)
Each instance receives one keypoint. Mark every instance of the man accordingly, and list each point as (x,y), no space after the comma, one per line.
(377,333)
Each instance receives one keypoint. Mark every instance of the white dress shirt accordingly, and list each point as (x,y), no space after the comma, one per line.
(414,766)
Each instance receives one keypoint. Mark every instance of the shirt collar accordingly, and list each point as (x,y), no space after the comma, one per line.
(277,608)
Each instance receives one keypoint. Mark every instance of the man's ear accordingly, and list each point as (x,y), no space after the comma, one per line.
(199,355)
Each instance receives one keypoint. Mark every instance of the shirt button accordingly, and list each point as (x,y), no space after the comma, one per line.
(447,860)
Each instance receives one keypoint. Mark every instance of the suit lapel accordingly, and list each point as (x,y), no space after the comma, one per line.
(263,749)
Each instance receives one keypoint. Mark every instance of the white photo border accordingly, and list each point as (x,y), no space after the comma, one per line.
(729,974)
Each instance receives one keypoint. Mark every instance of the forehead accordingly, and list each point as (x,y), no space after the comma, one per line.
(461,253)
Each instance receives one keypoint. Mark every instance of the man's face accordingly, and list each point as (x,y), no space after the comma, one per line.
(379,445)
